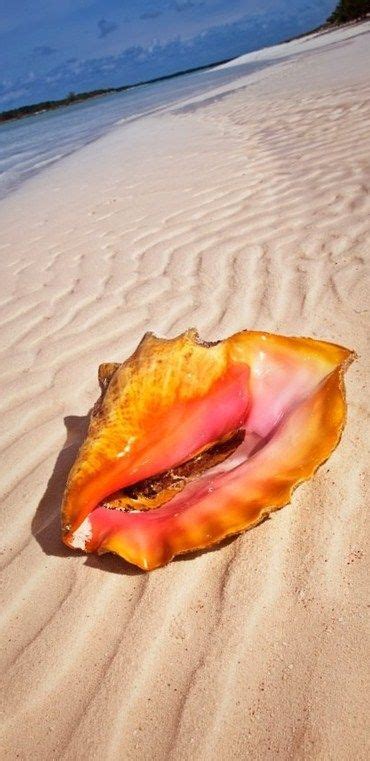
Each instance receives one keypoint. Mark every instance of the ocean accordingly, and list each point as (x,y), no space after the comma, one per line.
(30,144)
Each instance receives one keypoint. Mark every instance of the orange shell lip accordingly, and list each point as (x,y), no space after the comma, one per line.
(171,403)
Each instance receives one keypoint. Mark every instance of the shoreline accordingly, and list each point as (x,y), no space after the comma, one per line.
(34,109)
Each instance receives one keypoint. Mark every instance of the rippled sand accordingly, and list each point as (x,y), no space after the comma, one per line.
(248,208)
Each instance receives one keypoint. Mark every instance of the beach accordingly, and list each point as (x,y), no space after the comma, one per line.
(245,207)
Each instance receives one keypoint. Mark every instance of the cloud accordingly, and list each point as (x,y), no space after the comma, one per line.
(12,96)
(44,50)
(106,27)
(186,5)
(151,14)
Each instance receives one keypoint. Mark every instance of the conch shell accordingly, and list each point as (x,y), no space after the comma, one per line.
(191,442)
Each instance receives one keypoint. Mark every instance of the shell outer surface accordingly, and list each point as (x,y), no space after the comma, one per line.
(191,442)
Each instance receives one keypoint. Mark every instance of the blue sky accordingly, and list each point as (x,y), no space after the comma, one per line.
(51,47)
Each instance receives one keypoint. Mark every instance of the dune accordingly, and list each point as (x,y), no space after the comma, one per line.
(247,207)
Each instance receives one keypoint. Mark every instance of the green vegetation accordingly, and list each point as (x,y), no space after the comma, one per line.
(49,105)
(349,10)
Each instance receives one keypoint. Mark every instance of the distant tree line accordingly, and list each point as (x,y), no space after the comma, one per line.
(76,97)
(349,10)
(49,105)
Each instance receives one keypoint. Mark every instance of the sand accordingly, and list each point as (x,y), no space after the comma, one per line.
(248,208)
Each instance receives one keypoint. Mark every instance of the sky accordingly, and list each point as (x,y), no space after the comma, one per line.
(49,48)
